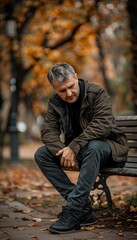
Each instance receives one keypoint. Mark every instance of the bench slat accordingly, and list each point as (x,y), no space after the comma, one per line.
(132,159)
(120,171)
(132,144)
(127,118)
(131,165)
(129,129)
(131,136)
(126,123)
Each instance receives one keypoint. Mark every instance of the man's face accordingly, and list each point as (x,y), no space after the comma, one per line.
(67,90)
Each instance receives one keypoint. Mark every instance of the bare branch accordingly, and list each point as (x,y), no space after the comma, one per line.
(63,41)
(29,15)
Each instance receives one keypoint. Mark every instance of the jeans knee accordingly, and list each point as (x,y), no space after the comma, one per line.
(99,146)
(39,152)
(94,145)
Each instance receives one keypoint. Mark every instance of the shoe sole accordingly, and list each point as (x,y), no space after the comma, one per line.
(63,232)
(88,224)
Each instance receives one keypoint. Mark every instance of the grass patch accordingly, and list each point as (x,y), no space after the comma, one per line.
(131,200)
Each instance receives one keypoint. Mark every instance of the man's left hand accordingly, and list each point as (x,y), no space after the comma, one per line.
(68,158)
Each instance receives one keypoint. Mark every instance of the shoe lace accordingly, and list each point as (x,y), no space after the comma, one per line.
(66,214)
(61,213)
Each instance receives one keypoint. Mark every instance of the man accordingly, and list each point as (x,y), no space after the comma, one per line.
(81,113)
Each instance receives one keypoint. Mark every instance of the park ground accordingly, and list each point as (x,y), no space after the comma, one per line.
(29,203)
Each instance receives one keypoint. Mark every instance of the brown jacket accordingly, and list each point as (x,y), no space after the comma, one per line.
(96,120)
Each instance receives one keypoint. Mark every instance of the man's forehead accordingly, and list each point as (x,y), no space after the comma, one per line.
(65,84)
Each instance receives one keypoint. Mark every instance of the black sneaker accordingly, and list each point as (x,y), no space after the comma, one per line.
(68,221)
(88,217)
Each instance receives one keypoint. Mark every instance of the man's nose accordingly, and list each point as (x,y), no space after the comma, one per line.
(69,93)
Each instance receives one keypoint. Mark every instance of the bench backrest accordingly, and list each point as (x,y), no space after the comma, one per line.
(129,127)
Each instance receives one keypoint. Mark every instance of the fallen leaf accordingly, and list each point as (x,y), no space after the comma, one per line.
(21,228)
(88,228)
(133,209)
(33,225)
(4,216)
(37,219)
(129,220)
(25,218)
(18,210)
(53,220)
(99,226)
(44,229)
(121,234)
(14,227)
(27,210)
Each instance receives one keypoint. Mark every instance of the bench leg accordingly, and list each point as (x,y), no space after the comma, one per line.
(102,185)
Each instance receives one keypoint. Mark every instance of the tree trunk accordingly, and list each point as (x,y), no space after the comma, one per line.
(132,11)
(101,54)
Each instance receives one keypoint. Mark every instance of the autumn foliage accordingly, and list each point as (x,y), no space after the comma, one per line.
(91,35)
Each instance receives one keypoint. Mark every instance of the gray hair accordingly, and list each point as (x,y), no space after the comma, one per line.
(60,72)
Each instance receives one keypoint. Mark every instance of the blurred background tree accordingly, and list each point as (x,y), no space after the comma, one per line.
(98,37)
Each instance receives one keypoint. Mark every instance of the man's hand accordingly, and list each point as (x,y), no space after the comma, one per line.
(67,158)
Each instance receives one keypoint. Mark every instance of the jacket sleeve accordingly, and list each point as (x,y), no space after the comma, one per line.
(100,125)
(50,131)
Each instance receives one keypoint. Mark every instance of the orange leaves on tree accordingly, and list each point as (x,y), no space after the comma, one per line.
(48,38)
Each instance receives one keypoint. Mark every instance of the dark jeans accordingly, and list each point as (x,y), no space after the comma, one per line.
(95,154)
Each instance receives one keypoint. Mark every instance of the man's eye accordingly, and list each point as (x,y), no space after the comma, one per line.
(62,91)
(71,86)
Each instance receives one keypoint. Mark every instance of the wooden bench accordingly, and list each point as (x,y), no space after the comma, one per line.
(129,126)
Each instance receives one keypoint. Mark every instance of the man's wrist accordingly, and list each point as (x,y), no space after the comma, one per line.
(75,147)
